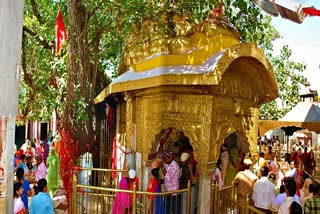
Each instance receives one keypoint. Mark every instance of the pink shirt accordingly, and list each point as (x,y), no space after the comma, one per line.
(171,179)
(41,171)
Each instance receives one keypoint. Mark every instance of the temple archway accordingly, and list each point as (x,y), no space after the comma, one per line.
(237,140)
(238,147)
(168,139)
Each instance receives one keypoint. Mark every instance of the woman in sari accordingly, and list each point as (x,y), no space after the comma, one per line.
(38,148)
(53,165)
(18,206)
(122,202)
(216,175)
(232,166)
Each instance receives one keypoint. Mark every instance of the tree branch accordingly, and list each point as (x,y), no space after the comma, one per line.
(46,44)
(35,11)
(27,79)
(94,10)
(292,75)
(58,114)
(96,60)
(26,76)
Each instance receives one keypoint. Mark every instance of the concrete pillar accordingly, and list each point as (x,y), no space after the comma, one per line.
(11,20)
(145,178)
(204,192)
(7,138)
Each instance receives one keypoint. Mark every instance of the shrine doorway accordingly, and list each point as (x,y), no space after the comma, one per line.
(238,148)
(169,139)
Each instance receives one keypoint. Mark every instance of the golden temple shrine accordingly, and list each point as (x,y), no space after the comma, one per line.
(198,79)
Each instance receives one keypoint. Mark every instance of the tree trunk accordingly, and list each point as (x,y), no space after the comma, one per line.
(78,118)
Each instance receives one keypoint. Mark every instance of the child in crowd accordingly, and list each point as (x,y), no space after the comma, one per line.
(155,202)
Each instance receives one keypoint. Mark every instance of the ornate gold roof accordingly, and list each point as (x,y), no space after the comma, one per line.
(172,40)
(187,55)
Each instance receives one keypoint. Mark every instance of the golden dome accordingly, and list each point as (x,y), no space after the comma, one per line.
(173,40)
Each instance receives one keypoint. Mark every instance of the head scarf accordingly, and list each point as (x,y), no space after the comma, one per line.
(132,173)
(19,153)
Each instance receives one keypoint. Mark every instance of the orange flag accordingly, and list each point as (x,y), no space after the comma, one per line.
(61,34)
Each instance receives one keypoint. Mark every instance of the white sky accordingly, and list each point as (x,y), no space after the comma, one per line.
(304,41)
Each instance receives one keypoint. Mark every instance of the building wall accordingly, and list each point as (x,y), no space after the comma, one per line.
(11,14)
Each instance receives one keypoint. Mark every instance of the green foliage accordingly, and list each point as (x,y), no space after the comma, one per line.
(290,78)
(256,28)
(106,27)
(252,24)
(40,91)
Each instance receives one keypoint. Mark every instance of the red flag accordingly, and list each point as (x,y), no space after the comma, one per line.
(61,34)
(217,12)
(311,11)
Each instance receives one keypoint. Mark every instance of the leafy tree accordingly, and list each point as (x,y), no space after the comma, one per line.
(97,33)
(290,78)
(256,28)
(39,93)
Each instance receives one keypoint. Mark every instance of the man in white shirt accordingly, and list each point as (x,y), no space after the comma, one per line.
(290,190)
(263,192)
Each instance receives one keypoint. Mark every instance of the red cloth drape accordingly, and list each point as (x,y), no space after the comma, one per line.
(61,34)
(114,157)
(311,11)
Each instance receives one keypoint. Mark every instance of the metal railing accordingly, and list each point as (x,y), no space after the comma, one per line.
(100,177)
(99,197)
(224,200)
(96,190)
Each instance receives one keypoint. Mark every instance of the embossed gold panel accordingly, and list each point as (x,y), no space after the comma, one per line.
(206,118)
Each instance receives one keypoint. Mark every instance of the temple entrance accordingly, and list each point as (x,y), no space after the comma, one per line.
(237,148)
(169,139)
